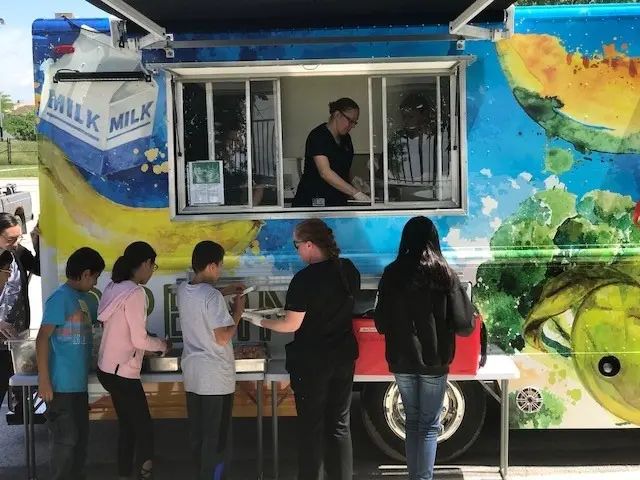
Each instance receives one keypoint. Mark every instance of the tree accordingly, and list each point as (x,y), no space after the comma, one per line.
(22,127)
(6,104)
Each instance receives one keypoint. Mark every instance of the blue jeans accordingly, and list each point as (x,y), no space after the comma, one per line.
(422,396)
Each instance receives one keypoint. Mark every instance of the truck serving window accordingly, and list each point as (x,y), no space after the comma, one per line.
(240,133)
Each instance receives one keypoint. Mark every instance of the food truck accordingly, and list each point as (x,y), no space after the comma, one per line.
(516,129)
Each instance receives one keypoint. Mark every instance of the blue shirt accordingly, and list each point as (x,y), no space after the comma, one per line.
(71,342)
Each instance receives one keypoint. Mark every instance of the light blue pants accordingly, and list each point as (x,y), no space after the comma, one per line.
(422,396)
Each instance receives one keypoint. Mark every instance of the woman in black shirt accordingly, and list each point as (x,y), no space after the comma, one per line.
(321,359)
(327,160)
(421,306)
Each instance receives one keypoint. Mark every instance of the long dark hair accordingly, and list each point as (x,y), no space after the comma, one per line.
(134,255)
(317,232)
(420,258)
(7,221)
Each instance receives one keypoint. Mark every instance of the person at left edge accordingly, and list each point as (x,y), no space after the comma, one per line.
(63,350)
(15,312)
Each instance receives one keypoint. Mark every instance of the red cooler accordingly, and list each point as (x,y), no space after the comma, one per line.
(372,349)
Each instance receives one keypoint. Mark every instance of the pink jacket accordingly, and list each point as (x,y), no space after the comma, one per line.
(123,312)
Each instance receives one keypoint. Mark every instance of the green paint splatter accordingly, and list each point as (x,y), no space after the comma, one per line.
(575,394)
(546,112)
(558,160)
(551,412)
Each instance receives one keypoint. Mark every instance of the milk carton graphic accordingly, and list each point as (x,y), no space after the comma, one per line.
(104,115)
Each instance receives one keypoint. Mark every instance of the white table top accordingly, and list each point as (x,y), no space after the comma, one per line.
(170,377)
(498,367)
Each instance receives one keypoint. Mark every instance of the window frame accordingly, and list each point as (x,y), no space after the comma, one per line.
(452,67)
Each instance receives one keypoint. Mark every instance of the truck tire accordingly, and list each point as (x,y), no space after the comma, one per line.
(462,418)
(23,224)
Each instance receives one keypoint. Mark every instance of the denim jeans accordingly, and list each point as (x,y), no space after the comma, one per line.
(422,397)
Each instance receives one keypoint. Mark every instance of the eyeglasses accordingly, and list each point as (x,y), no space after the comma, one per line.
(12,240)
(296,244)
(352,122)
(155,267)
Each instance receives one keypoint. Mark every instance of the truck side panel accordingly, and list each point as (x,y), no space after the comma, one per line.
(553,180)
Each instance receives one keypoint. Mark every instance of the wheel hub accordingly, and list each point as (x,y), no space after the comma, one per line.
(453,408)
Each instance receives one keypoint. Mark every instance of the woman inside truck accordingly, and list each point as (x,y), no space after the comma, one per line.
(421,306)
(321,359)
(14,298)
(328,157)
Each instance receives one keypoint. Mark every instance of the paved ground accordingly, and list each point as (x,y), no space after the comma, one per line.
(583,455)
(544,455)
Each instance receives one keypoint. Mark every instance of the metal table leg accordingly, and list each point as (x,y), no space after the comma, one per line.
(274,429)
(27,430)
(504,428)
(259,394)
(32,437)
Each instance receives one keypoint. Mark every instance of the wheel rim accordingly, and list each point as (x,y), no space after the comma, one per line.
(451,417)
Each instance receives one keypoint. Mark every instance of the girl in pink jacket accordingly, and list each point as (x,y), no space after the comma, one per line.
(123,313)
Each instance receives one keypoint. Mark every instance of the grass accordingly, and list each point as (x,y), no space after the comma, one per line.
(24,159)
(11,171)
(22,153)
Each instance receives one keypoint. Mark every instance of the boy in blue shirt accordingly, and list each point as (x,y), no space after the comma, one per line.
(63,348)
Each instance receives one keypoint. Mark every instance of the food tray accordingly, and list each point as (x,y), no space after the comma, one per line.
(166,364)
(23,353)
(251,357)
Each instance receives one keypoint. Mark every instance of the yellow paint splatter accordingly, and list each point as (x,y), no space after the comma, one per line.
(144,168)
(37,98)
(157,169)
(164,167)
(151,154)
(575,394)
(37,120)
(136,151)
(36,84)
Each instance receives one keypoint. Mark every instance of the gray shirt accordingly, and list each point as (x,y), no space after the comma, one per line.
(207,367)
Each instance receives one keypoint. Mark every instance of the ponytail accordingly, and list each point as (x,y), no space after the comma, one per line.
(122,270)
(134,255)
(317,232)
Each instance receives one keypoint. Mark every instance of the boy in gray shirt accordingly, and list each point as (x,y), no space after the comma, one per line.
(208,363)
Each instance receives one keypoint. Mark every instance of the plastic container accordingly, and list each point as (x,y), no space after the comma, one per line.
(23,353)
(371,361)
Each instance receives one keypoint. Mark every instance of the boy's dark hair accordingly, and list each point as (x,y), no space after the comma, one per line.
(6,259)
(206,253)
(83,259)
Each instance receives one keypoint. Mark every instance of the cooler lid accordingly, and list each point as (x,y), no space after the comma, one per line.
(210,16)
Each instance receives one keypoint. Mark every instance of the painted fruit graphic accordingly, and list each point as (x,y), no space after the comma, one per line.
(592,314)
(606,348)
(589,101)
(77,216)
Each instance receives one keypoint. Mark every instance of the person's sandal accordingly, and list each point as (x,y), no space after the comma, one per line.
(145,473)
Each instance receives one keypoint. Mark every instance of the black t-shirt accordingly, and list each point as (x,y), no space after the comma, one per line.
(327,328)
(321,142)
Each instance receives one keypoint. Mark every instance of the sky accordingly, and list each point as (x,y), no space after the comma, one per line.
(16,59)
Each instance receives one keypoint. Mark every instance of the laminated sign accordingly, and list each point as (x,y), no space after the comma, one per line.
(105,115)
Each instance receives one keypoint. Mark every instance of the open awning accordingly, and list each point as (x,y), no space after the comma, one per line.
(162,17)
